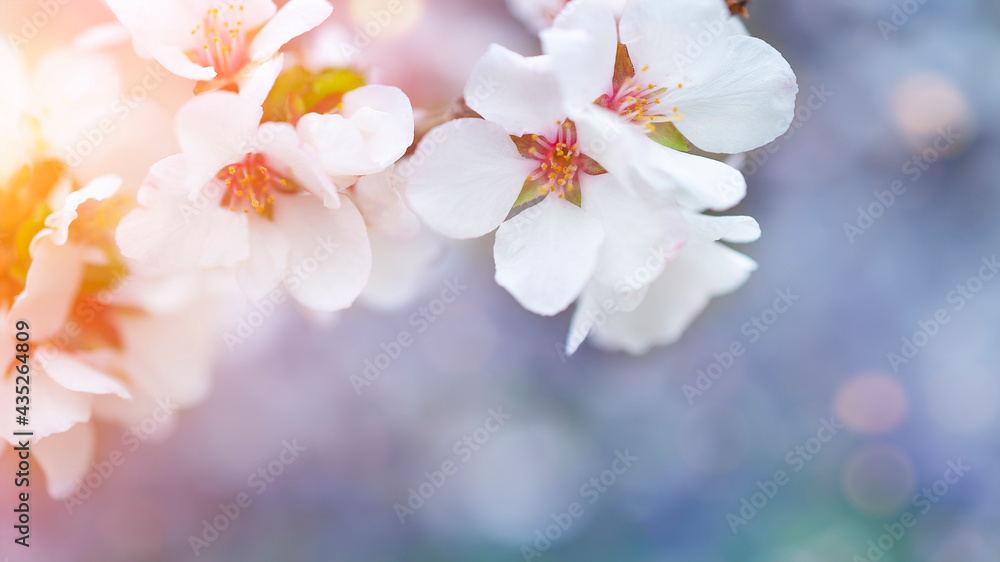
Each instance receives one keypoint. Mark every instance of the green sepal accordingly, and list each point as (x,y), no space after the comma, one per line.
(668,135)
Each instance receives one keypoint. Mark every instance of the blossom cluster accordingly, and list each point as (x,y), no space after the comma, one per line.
(279,162)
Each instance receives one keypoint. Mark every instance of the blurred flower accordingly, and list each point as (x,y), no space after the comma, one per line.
(215,42)
(94,350)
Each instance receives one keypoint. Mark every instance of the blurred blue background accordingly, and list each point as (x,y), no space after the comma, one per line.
(700,484)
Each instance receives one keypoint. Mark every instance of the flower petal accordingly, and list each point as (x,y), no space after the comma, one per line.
(583,44)
(74,374)
(265,267)
(520,93)
(169,355)
(65,458)
(641,233)
(705,229)
(675,299)
(54,409)
(384,117)
(399,268)
(329,254)
(50,289)
(546,254)
(98,189)
(215,129)
(339,145)
(468,180)
(666,37)
(169,230)
(293,19)
(256,83)
(296,160)
(745,101)
(637,160)
(382,205)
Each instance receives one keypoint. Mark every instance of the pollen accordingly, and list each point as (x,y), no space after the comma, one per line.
(256,185)
(223,42)
(558,159)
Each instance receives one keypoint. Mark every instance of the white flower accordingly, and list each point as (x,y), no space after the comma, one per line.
(588,225)
(215,40)
(262,197)
(678,64)
(703,269)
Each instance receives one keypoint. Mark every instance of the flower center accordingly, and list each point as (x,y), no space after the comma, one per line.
(639,102)
(559,164)
(558,161)
(249,184)
(223,41)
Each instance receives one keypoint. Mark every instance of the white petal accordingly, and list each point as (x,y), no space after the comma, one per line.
(169,355)
(215,129)
(641,233)
(256,83)
(329,254)
(65,458)
(168,230)
(382,205)
(705,229)
(50,289)
(54,409)
(469,177)
(673,38)
(339,145)
(384,117)
(546,254)
(97,190)
(746,101)
(596,302)
(75,374)
(520,93)
(296,160)
(675,299)
(583,44)
(293,19)
(268,260)
(177,62)
(698,182)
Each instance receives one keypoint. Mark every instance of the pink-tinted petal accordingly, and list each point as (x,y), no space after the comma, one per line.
(66,458)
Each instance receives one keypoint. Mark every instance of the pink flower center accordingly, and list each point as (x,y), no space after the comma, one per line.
(223,39)
(249,184)
(559,160)
(639,102)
